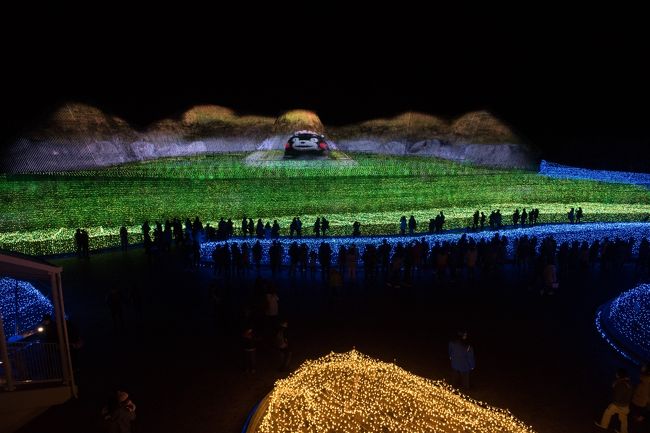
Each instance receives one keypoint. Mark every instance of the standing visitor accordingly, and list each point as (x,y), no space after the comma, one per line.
(461,355)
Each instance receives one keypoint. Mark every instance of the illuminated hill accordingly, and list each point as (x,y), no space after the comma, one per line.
(351,393)
(77,136)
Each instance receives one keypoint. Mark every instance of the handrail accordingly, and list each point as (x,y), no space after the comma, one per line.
(34,362)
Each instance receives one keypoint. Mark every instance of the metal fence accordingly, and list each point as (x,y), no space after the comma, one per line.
(34,362)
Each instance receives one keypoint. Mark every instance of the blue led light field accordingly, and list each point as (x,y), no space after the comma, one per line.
(624,323)
(560,171)
(560,232)
(22,306)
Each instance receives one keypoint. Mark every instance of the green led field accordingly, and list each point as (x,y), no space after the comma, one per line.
(40,212)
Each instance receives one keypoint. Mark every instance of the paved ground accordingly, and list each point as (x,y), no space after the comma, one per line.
(540,357)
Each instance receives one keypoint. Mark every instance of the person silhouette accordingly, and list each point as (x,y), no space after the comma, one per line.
(325,226)
(124,238)
(244,226)
(282,345)
(298,227)
(515,217)
(461,355)
(317,226)
(78,242)
(412,225)
(579,215)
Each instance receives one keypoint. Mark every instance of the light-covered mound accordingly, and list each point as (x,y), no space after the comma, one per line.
(22,306)
(295,120)
(626,322)
(350,392)
(77,136)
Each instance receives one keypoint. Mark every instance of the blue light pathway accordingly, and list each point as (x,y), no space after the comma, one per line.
(561,232)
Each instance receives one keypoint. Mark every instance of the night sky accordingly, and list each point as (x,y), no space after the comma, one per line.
(579,94)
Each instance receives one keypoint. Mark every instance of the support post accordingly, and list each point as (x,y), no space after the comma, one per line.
(4,355)
(59,319)
(68,356)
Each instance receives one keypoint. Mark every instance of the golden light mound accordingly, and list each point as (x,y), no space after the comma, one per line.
(169,126)
(76,118)
(205,115)
(352,393)
(482,127)
(415,119)
(252,120)
(409,124)
(409,119)
(296,120)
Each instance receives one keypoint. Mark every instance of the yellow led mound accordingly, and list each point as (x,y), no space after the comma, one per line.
(350,392)
(483,127)
(294,120)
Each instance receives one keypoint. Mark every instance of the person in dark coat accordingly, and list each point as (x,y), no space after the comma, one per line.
(282,345)
(461,355)
(324,226)
(412,225)
(124,238)
(402,225)
(244,227)
(250,350)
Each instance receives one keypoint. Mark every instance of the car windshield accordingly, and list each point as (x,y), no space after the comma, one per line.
(306,136)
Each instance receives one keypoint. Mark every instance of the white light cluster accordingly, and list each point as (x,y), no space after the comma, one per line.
(625,321)
(352,393)
(561,232)
(22,306)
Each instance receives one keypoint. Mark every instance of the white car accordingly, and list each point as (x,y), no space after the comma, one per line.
(305,142)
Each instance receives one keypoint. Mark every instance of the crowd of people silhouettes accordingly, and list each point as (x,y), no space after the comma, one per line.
(193,233)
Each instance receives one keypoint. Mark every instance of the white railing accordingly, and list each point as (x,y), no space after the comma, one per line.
(33,363)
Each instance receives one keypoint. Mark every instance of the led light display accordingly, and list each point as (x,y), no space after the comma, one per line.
(561,233)
(40,211)
(566,172)
(22,306)
(624,323)
(352,393)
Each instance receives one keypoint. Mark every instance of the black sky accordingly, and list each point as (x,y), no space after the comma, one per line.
(579,91)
